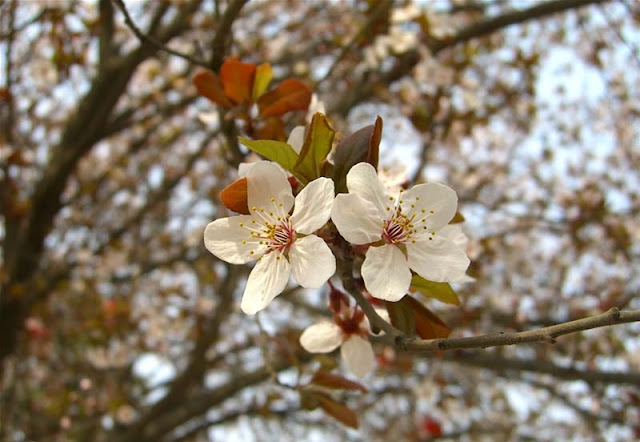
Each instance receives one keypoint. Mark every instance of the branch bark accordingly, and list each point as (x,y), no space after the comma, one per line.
(546,334)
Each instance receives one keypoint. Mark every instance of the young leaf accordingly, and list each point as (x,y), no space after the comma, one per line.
(359,147)
(316,147)
(263,77)
(402,316)
(208,85)
(237,80)
(428,325)
(234,196)
(441,291)
(290,95)
(373,154)
(277,151)
(337,410)
(335,381)
(457,218)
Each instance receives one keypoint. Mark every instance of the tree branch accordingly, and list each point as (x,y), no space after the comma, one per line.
(503,21)
(546,334)
(501,364)
(144,38)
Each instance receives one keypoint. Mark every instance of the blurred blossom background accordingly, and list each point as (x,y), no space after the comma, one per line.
(117,325)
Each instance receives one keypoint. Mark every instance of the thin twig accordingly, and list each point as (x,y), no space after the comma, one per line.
(546,334)
(144,38)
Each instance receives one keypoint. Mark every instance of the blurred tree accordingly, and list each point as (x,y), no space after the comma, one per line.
(117,324)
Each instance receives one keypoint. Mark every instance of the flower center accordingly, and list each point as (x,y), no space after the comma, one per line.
(400,228)
(270,228)
(279,236)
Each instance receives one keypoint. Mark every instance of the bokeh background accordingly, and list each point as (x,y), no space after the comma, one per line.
(116,323)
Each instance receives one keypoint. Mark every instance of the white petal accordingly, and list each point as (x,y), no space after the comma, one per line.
(313,206)
(363,181)
(223,237)
(357,220)
(386,273)
(267,186)
(312,262)
(438,260)
(454,233)
(357,355)
(243,169)
(435,197)
(323,337)
(296,138)
(267,280)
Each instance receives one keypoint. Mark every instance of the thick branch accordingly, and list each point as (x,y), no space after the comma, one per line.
(503,21)
(406,62)
(501,364)
(546,334)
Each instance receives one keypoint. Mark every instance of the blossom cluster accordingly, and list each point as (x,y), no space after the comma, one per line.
(400,233)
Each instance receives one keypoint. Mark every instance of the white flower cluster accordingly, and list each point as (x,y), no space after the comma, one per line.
(406,231)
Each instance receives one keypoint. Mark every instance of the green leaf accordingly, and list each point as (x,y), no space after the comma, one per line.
(277,151)
(441,291)
(316,147)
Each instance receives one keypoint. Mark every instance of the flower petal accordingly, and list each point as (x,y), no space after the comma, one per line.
(296,138)
(267,280)
(357,220)
(224,238)
(323,337)
(386,273)
(357,355)
(362,180)
(312,262)
(313,206)
(438,260)
(267,186)
(437,200)
(455,234)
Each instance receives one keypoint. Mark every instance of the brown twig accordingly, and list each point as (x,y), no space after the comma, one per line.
(546,334)
(144,38)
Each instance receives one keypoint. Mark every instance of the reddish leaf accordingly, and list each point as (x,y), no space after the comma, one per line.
(290,95)
(237,80)
(208,85)
(361,146)
(338,410)
(402,316)
(428,325)
(335,381)
(234,196)
(374,143)
(270,129)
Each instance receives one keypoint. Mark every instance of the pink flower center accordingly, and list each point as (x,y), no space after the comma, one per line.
(280,236)
(398,229)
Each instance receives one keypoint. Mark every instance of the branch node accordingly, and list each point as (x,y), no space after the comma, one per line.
(615,313)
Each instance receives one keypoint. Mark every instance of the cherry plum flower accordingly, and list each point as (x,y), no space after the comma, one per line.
(407,232)
(282,243)
(350,332)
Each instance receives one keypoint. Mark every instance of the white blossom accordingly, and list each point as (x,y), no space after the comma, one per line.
(407,232)
(283,243)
